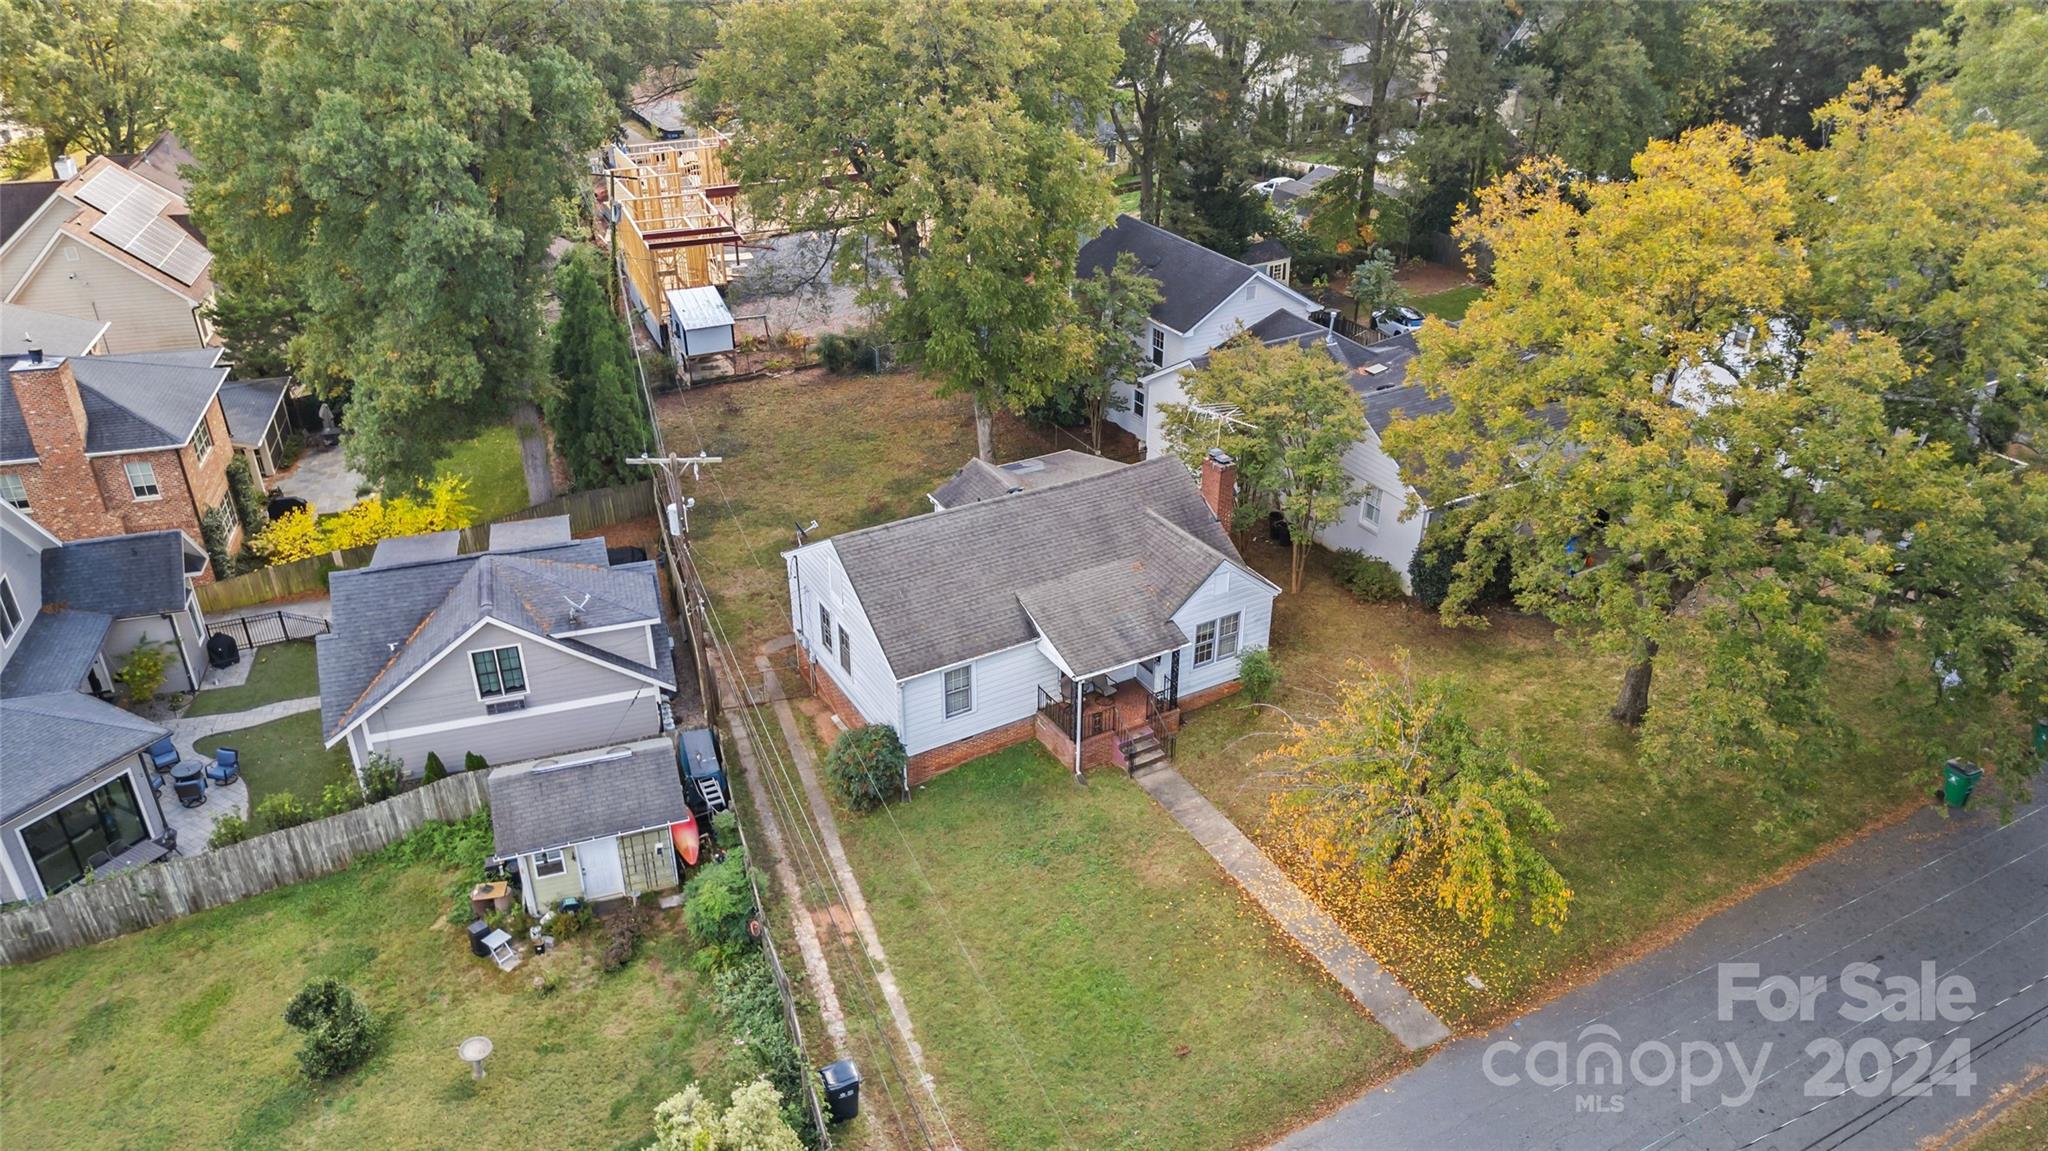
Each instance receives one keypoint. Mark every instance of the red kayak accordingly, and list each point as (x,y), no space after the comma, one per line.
(687,842)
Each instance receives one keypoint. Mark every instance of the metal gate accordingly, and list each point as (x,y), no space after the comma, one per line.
(268,627)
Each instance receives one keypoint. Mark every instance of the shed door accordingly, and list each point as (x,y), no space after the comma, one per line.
(599,860)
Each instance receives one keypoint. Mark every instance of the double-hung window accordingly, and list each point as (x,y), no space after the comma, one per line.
(499,672)
(1216,639)
(10,612)
(1158,346)
(142,479)
(959,691)
(202,441)
(845,653)
(1369,510)
(825,626)
(13,491)
(1138,402)
(546,863)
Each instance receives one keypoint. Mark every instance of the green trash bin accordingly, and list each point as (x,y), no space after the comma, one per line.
(2041,738)
(1958,779)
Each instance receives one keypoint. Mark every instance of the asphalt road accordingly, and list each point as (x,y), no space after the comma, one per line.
(1966,894)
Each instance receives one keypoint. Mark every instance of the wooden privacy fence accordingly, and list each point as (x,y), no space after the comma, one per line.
(587,512)
(159,893)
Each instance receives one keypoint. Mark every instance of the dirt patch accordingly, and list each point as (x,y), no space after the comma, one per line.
(1424,278)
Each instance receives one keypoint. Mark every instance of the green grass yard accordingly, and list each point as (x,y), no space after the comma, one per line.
(173,1038)
(1640,854)
(1082,975)
(278,671)
(284,755)
(490,461)
(1449,304)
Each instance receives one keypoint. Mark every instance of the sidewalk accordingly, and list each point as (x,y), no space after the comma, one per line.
(1366,981)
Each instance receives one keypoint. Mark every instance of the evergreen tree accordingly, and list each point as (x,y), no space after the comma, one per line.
(594,406)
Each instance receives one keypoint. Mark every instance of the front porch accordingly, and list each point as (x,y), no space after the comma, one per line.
(1114,717)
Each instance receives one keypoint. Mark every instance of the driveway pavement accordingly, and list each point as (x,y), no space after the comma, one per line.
(321,477)
(1804,1068)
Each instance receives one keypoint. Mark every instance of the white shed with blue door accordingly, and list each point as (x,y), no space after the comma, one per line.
(699,324)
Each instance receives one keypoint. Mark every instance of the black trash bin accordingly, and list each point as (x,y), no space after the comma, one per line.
(477,930)
(842,1089)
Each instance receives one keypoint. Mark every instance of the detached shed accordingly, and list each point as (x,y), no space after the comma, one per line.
(699,324)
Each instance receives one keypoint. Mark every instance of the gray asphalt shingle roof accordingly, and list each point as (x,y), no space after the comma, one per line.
(136,404)
(1192,279)
(23,329)
(56,652)
(55,739)
(392,620)
(978,480)
(942,588)
(250,406)
(551,803)
(141,574)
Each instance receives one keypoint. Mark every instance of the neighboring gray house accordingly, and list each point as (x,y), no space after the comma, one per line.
(593,825)
(1105,604)
(74,790)
(258,421)
(535,647)
(73,612)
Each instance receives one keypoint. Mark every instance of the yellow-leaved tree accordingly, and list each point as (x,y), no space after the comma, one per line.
(1393,785)
(440,506)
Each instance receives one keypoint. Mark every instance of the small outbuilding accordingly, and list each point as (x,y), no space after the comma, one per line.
(593,825)
(699,323)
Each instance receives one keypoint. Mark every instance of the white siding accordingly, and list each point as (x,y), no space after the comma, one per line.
(1006,687)
(1228,589)
(1396,539)
(630,642)
(1245,307)
(22,562)
(26,245)
(816,576)
(123,637)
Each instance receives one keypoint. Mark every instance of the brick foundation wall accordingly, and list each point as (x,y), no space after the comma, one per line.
(926,765)
(824,688)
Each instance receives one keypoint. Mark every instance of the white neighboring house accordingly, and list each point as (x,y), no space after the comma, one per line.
(1231,300)
(1099,607)
(535,647)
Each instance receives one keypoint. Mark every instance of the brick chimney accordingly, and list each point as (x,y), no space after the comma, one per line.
(1219,485)
(50,406)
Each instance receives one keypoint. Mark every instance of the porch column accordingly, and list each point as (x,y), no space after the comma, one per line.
(1077,729)
(1173,681)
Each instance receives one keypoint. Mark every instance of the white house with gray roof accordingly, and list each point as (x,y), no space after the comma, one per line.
(1100,606)
(535,647)
(1233,303)
(593,825)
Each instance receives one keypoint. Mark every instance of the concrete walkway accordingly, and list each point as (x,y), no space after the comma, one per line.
(1367,982)
(194,825)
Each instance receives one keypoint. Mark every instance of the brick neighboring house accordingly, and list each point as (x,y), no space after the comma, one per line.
(95,446)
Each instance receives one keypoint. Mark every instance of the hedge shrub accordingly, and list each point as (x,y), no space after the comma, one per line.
(336,1025)
(1436,558)
(1256,672)
(1370,578)
(867,765)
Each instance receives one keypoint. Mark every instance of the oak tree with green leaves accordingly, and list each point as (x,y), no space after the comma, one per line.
(1993,56)
(91,74)
(1395,784)
(1676,470)
(1286,413)
(402,172)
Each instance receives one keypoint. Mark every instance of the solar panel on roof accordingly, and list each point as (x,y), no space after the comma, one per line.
(112,188)
(154,243)
(123,223)
(187,263)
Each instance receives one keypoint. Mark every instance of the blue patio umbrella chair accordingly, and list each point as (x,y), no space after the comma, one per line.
(227,765)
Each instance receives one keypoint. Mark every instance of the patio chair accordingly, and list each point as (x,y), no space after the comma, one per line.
(191,792)
(163,755)
(226,767)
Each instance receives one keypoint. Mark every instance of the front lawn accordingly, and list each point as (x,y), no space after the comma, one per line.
(173,1038)
(491,462)
(277,672)
(1082,975)
(1641,854)
(284,755)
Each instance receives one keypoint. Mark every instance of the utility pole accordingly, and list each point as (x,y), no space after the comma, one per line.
(672,467)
